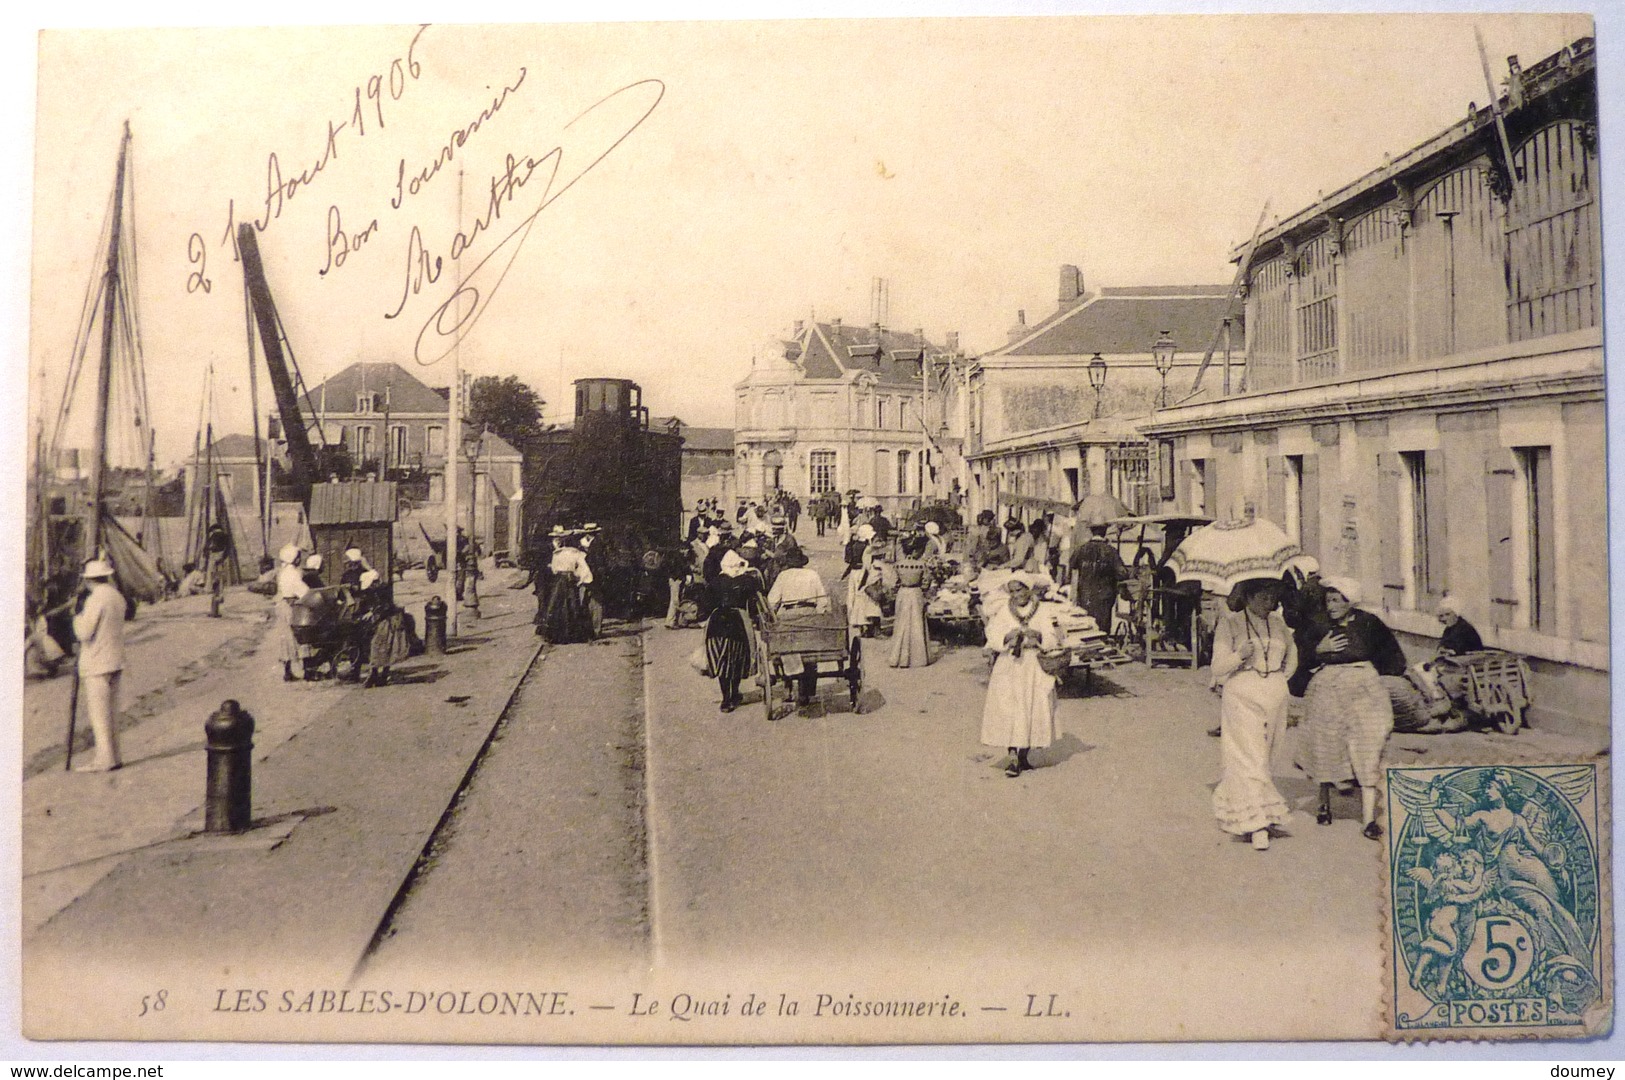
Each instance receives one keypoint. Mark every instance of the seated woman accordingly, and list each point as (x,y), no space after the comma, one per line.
(1459,635)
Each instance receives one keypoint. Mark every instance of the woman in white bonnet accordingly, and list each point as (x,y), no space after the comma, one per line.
(862,612)
(290,588)
(1020,709)
(1348,712)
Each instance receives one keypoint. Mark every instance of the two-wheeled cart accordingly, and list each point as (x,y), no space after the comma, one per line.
(795,648)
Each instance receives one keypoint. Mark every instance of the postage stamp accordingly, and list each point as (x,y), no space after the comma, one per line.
(1498,902)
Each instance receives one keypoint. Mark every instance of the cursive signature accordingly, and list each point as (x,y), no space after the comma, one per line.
(590,137)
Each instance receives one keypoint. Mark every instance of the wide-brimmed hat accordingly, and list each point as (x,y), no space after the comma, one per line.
(557,530)
(98,568)
(590,527)
(289,554)
(734,564)
(932,528)
(866,531)
(353,554)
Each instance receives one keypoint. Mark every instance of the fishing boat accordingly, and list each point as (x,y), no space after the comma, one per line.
(73,489)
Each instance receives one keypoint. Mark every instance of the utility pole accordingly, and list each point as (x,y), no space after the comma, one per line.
(454,439)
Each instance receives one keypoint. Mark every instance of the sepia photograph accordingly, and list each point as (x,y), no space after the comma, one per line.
(1043,529)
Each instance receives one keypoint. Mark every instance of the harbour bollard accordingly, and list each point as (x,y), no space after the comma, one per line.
(434,626)
(228,803)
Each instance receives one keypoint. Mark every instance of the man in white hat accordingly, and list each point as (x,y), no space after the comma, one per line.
(99,626)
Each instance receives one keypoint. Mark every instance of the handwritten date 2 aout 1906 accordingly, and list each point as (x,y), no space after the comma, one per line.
(367,102)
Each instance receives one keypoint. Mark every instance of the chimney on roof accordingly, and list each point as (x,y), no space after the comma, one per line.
(953,341)
(797,331)
(1071,284)
(1019,331)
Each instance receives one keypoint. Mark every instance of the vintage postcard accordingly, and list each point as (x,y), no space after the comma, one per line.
(818,532)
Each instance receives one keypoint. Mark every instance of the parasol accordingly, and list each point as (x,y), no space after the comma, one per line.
(1226,553)
(1099,507)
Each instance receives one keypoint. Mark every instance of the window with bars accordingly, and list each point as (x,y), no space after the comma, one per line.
(822,466)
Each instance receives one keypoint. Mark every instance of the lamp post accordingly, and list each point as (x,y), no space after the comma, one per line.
(1162,353)
(1097,379)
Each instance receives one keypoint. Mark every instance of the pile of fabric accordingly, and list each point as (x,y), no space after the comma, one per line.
(952,599)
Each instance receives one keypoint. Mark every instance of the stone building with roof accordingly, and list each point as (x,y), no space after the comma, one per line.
(1423,398)
(1039,435)
(834,407)
(388,420)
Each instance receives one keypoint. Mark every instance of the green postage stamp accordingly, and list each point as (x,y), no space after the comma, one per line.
(1499,909)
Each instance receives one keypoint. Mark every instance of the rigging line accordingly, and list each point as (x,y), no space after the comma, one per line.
(130,289)
(95,289)
(76,367)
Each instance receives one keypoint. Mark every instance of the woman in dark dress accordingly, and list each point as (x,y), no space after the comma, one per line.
(733,596)
(1459,636)
(565,619)
(1349,714)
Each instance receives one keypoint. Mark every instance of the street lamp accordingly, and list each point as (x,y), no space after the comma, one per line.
(1097,379)
(1162,353)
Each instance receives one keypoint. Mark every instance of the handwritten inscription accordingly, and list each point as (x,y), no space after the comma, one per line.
(419,179)
(589,138)
(367,107)
(528,183)
(280,190)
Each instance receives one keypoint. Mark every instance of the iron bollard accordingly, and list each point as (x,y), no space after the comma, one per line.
(434,626)
(228,804)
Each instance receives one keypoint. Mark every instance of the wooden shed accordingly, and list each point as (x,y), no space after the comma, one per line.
(354,514)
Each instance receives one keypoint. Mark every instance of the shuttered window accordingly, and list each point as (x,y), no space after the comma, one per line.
(1500,484)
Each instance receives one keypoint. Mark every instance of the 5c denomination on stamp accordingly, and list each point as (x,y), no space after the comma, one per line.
(1499,914)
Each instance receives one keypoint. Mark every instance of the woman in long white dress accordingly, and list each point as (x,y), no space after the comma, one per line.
(1253,656)
(1020,710)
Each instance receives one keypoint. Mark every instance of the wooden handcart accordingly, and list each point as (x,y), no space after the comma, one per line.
(1494,687)
(812,646)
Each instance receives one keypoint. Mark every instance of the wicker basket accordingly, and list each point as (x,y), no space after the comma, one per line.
(1055,661)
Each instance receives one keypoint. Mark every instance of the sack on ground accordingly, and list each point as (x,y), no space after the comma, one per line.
(699,662)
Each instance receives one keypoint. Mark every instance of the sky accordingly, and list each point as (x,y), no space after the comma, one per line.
(715,181)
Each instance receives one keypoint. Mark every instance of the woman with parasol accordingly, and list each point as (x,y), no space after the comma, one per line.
(1253,654)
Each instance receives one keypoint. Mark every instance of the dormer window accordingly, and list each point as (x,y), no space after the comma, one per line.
(367,404)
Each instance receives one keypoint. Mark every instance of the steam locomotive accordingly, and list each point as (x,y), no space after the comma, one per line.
(609,468)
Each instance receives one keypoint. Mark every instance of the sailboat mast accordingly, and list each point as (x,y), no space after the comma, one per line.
(104,371)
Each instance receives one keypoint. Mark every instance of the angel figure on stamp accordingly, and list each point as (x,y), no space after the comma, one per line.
(1453,883)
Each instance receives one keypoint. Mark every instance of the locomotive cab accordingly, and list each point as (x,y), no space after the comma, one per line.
(616,403)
